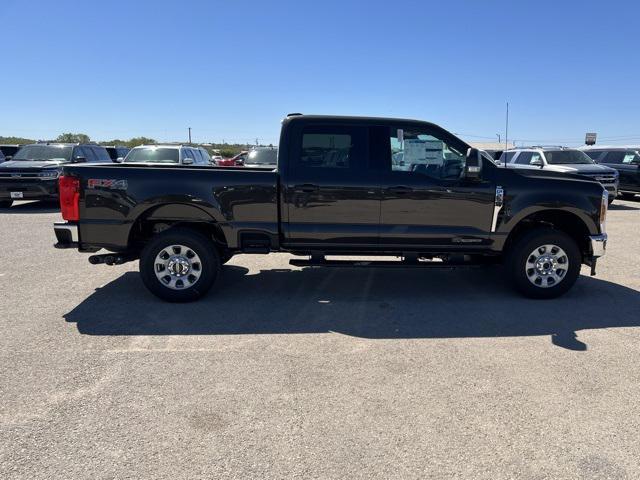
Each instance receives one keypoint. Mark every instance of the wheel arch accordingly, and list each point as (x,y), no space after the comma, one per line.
(159,218)
(561,220)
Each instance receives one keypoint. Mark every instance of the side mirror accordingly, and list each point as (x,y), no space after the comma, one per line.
(79,159)
(187,161)
(473,166)
(537,162)
(119,159)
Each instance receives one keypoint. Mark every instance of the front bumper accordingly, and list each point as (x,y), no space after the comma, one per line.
(32,189)
(598,245)
(66,234)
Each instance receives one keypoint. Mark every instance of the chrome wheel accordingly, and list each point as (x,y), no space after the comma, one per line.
(177,267)
(547,266)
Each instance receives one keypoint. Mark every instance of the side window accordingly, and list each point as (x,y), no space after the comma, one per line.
(101,154)
(506,157)
(186,153)
(415,151)
(421,152)
(614,157)
(536,158)
(87,152)
(631,157)
(594,155)
(328,149)
(205,157)
(524,158)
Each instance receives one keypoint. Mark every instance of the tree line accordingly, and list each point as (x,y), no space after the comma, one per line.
(225,149)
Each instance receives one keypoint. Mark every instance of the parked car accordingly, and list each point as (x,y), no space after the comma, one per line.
(262,157)
(236,161)
(117,153)
(9,150)
(33,171)
(184,155)
(562,159)
(336,191)
(626,160)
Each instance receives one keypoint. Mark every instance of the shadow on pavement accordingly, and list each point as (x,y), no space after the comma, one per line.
(32,207)
(623,206)
(367,303)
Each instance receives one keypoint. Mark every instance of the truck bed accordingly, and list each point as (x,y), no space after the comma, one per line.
(114,196)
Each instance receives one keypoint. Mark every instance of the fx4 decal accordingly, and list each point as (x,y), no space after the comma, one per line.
(107,183)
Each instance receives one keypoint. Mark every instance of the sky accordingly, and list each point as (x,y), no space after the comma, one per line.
(231,70)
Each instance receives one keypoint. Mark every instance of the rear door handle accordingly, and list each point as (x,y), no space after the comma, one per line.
(306,188)
(400,190)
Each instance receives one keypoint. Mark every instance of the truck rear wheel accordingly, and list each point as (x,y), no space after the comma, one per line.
(179,265)
(544,263)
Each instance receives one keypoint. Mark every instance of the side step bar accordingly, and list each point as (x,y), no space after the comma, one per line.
(112,258)
(379,263)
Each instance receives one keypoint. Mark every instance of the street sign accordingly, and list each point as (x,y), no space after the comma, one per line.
(590,138)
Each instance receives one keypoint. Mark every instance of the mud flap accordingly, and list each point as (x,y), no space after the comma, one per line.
(593,266)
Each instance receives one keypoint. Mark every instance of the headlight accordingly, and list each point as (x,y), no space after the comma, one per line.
(49,174)
(604,204)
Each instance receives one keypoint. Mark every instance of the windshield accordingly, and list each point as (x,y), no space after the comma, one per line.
(44,152)
(153,155)
(567,157)
(267,156)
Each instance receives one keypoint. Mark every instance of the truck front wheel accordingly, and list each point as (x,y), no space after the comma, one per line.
(544,263)
(179,265)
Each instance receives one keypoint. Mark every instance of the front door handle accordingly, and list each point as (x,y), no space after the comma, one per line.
(306,188)
(400,190)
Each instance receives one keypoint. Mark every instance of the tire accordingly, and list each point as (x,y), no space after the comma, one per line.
(626,196)
(559,269)
(6,203)
(610,201)
(189,259)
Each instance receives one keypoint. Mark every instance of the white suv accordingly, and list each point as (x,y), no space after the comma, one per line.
(179,154)
(562,159)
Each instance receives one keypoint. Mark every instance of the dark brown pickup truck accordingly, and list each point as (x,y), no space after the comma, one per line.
(342,186)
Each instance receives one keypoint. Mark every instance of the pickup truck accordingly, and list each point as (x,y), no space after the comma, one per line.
(343,186)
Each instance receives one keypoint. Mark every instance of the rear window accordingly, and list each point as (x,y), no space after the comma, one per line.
(44,152)
(153,155)
(267,156)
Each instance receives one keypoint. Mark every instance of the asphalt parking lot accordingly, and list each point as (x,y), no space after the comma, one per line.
(289,373)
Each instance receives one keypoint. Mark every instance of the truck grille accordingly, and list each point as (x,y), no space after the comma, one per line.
(18,175)
(604,179)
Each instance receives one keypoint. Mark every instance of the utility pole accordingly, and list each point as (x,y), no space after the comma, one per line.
(498,135)
(189,134)
(506,130)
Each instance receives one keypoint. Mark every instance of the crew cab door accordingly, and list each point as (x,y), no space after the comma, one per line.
(426,201)
(331,196)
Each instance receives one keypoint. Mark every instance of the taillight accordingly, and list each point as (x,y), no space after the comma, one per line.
(69,189)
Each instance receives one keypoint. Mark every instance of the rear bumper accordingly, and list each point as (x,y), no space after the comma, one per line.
(66,234)
(598,245)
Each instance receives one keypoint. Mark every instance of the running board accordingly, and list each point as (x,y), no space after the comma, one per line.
(379,263)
